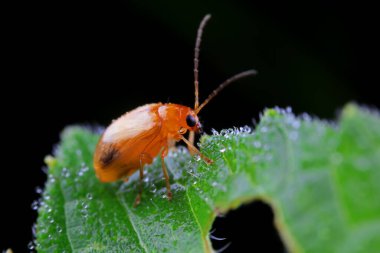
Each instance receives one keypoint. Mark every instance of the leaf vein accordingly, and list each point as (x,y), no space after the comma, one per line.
(132,223)
(195,216)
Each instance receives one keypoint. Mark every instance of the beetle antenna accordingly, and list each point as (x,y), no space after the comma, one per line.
(196,57)
(224,85)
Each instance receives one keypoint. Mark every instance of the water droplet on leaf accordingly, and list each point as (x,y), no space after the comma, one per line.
(38,190)
(35,205)
(31,245)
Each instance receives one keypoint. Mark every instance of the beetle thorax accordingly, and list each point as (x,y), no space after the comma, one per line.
(173,118)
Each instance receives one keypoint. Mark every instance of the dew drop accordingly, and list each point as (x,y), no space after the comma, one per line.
(296,124)
(59,229)
(306,117)
(221,215)
(89,196)
(247,129)
(35,205)
(65,173)
(84,168)
(42,203)
(214,132)
(195,182)
(83,212)
(38,190)
(214,184)
(31,245)
(257,144)
(51,179)
(34,230)
(222,150)
(197,158)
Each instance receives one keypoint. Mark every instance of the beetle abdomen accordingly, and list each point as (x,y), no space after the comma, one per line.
(128,143)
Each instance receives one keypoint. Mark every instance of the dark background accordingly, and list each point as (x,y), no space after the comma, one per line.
(87,62)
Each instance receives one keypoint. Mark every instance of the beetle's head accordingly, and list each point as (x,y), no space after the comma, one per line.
(192,122)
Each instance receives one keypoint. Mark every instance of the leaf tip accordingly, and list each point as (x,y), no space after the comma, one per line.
(350,110)
(50,161)
(271,113)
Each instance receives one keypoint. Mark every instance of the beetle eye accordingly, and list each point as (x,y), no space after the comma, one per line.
(190,121)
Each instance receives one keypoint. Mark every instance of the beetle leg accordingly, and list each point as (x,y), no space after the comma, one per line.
(141,170)
(196,151)
(138,197)
(166,175)
(191,140)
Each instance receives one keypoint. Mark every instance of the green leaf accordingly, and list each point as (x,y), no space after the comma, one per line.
(321,179)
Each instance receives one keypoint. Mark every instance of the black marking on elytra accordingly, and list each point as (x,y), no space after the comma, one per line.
(108,155)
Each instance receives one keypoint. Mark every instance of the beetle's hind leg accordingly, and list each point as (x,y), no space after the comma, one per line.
(144,157)
(165,171)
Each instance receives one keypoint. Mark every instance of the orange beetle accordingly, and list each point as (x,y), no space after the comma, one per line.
(138,136)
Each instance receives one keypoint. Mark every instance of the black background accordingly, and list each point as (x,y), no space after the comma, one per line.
(87,62)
